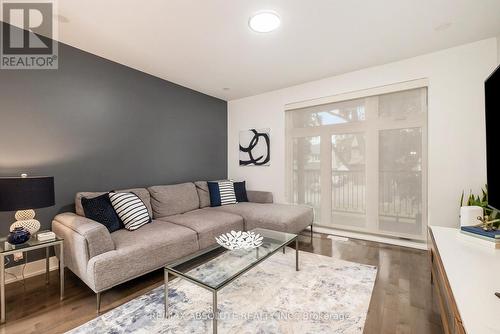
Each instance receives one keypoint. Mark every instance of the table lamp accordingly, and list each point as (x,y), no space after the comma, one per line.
(25,194)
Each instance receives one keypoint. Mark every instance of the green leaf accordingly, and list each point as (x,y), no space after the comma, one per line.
(477,200)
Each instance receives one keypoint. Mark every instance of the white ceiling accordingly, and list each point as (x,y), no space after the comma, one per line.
(206,45)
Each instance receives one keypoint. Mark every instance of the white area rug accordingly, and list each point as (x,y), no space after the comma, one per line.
(327,295)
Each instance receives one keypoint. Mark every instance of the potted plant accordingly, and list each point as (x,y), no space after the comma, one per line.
(489,217)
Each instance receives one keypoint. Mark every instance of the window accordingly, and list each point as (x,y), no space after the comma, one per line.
(306,172)
(338,113)
(348,179)
(361,163)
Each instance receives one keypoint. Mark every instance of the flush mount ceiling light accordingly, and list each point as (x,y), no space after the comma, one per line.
(264,21)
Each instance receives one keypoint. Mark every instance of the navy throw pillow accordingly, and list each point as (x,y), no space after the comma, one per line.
(221,193)
(100,209)
(213,189)
(241,191)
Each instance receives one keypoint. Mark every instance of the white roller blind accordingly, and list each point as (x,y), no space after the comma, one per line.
(361,163)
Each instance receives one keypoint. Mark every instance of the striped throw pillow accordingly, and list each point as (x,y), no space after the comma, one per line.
(221,193)
(131,210)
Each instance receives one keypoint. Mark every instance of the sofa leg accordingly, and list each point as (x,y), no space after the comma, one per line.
(311,233)
(98,302)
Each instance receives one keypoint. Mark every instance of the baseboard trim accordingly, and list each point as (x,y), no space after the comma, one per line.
(371,237)
(35,268)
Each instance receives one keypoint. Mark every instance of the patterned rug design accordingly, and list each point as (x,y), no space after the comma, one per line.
(327,295)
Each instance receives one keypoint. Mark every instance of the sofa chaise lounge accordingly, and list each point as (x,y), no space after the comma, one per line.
(183,223)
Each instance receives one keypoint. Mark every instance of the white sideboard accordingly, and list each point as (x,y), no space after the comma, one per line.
(466,276)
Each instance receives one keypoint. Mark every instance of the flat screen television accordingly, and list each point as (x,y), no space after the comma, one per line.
(492,103)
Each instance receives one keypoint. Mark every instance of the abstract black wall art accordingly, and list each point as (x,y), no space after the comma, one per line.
(255,147)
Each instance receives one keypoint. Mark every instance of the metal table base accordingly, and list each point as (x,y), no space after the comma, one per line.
(215,310)
(47,246)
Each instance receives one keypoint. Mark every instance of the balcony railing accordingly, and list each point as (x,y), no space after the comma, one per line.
(348,191)
(400,194)
(311,194)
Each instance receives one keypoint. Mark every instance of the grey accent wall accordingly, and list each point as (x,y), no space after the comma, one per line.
(97,125)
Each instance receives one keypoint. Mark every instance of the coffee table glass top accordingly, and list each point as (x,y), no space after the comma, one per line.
(224,265)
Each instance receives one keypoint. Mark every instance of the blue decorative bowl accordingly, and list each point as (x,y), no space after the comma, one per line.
(19,235)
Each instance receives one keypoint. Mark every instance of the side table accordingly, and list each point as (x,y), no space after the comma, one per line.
(32,244)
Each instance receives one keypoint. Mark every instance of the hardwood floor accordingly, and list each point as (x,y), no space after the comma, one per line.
(402,300)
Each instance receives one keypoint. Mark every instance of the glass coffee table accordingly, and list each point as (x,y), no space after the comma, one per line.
(229,264)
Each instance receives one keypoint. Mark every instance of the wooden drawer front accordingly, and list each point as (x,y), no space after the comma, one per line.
(459,328)
(452,323)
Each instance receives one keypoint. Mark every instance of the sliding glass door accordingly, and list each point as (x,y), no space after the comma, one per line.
(361,163)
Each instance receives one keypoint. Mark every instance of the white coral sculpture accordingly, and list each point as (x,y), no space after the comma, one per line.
(239,240)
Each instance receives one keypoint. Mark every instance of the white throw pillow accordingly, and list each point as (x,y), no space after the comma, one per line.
(227,195)
(131,210)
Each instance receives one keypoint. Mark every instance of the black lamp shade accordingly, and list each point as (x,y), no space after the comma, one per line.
(23,193)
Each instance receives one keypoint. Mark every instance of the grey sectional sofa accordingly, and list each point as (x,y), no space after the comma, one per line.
(183,223)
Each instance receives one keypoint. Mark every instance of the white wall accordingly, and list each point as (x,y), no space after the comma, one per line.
(456,121)
(498,49)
